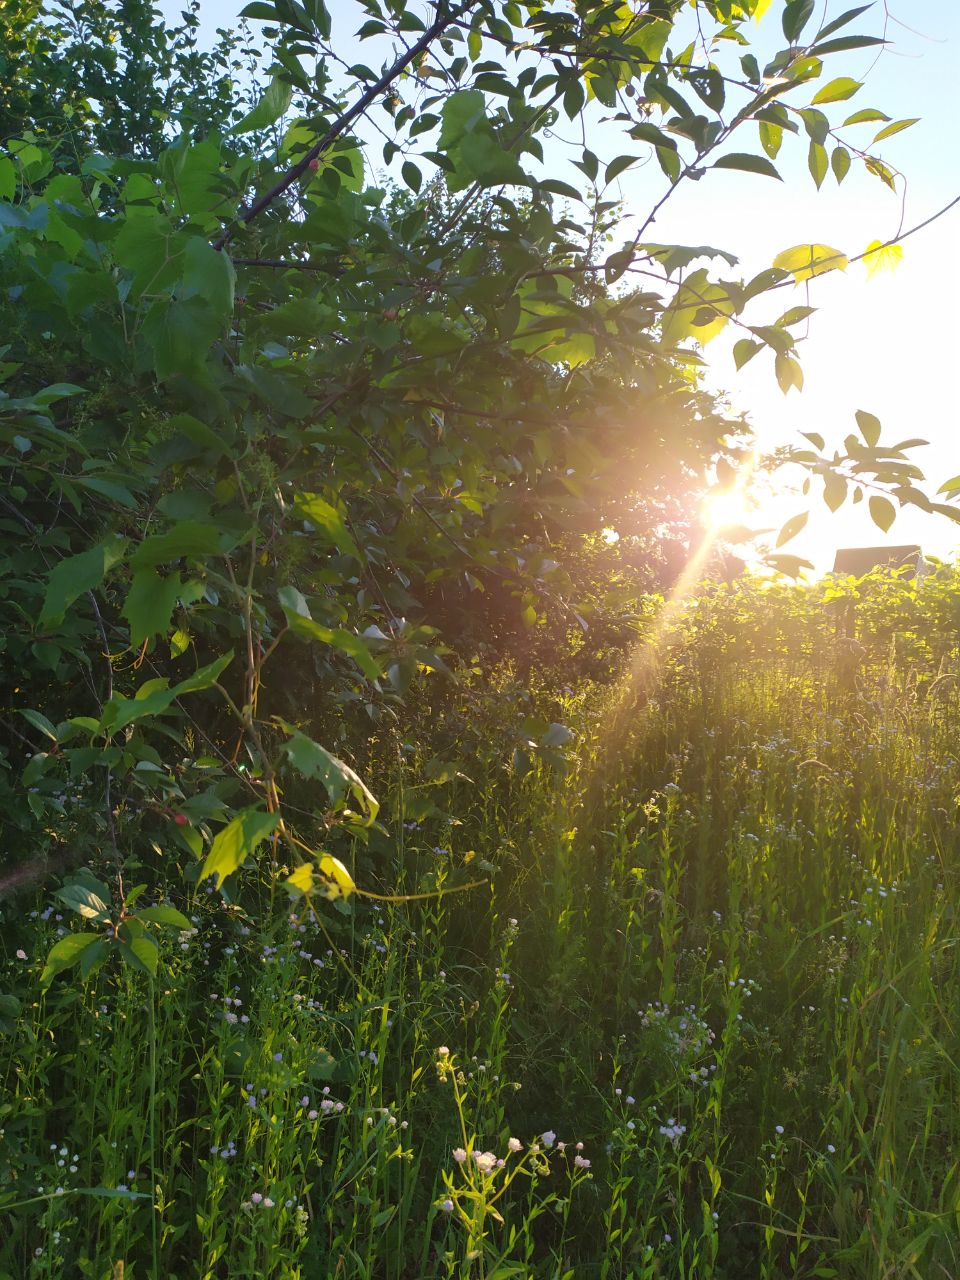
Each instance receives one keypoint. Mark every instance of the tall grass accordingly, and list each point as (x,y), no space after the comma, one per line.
(704,1021)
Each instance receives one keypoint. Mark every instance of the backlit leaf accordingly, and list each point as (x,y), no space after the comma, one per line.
(882,257)
(747,163)
(806,260)
(837,90)
(268,110)
(236,841)
(76,575)
(882,512)
(65,953)
(869,427)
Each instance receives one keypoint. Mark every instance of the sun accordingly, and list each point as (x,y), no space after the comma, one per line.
(727,509)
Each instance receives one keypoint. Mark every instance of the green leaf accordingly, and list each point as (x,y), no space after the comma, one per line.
(274,103)
(142,953)
(866,116)
(838,90)
(834,490)
(745,350)
(844,44)
(236,841)
(119,712)
(209,274)
(151,601)
(792,527)
(796,15)
(748,163)
(789,373)
(897,127)
(300,623)
(617,166)
(40,723)
(411,175)
(85,901)
(340,781)
(186,538)
(65,953)
(165,916)
(869,427)
(771,138)
(461,113)
(840,163)
(841,21)
(181,334)
(8,178)
(817,163)
(326,518)
(882,512)
(76,575)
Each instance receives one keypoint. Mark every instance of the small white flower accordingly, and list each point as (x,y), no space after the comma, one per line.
(581,1162)
(459,1155)
(514,1145)
(485,1161)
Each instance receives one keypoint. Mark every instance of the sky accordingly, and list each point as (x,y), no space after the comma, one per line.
(887,344)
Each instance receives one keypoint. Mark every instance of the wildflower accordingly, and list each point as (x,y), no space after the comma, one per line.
(443,1052)
(447,1206)
(581,1162)
(312,1115)
(548,1138)
(831,1148)
(514,1145)
(267,1203)
(485,1161)
(779,1128)
(21,954)
(256,1197)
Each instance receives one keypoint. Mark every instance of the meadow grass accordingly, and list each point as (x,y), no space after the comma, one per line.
(701,1022)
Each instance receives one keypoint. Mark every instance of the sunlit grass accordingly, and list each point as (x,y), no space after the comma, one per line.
(732,976)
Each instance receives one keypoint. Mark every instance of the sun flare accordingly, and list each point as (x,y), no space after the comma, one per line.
(726,509)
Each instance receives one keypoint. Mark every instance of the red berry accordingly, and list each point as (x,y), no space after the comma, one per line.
(181,819)
(314,165)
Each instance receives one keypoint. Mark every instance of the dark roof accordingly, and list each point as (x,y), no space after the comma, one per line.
(856,561)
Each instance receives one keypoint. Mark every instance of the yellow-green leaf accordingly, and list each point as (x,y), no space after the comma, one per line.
(882,257)
(792,527)
(806,260)
(240,837)
(837,90)
(896,127)
(882,512)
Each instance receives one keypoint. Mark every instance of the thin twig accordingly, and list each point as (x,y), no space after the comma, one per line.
(444,19)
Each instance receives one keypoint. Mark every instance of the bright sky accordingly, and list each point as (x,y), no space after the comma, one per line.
(887,344)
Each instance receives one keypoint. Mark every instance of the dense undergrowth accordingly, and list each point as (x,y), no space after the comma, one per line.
(720,953)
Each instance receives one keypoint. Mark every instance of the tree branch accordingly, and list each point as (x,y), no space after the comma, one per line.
(443,20)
